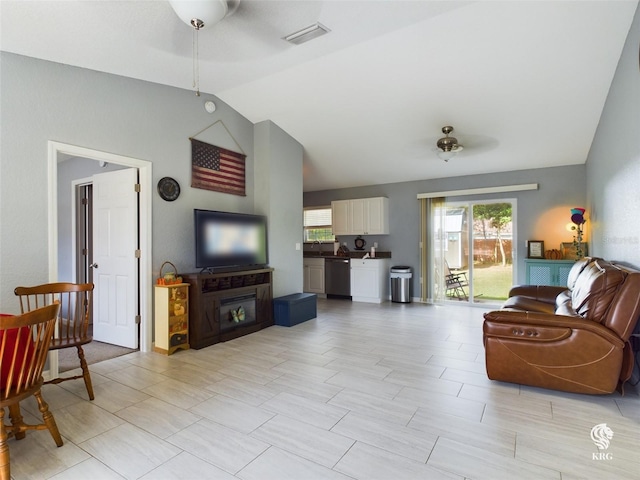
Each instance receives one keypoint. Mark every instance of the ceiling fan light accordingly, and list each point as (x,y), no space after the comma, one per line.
(200,13)
(446,155)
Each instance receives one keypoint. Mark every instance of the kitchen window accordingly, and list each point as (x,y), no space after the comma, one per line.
(317,224)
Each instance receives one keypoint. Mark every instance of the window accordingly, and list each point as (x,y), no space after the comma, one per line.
(317,224)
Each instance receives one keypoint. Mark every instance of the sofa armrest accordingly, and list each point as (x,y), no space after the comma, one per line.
(541,293)
(542,327)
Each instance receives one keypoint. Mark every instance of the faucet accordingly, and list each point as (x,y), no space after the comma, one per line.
(320,244)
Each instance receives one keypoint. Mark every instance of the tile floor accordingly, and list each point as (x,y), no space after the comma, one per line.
(364,392)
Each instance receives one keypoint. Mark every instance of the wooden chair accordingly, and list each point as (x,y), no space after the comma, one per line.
(24,344)
(455,283)
(73,320)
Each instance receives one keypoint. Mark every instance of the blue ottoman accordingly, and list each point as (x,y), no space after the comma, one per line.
(293,309)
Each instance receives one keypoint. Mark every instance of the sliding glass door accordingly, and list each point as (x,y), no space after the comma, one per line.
(472,250)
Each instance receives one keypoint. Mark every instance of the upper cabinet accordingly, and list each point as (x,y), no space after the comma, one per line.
(340,213)
(361,216)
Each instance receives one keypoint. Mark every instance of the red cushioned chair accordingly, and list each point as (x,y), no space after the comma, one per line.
(24,344)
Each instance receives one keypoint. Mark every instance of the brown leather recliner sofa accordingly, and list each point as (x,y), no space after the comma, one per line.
(574,339)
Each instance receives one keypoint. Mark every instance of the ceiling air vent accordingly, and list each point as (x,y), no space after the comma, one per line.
(308,33)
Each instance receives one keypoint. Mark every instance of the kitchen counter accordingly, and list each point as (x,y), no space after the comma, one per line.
(369,279)
(352,254)
(363,280)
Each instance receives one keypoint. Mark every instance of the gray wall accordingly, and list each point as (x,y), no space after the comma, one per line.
(613,167)
(42,101)
(541,214)
(279,196)
(613,164)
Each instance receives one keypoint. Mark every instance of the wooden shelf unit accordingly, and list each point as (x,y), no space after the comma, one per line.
(208,290)
(171,318)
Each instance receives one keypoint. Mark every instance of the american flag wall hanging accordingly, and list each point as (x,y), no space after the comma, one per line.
(217,169)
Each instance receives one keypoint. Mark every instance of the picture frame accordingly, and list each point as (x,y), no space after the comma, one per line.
(535,249)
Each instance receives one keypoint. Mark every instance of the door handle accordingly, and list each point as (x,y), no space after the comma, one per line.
(93,265)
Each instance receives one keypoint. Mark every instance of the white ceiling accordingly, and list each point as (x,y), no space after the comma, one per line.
(523,83)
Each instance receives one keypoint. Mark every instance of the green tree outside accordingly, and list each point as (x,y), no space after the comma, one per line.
(497,215)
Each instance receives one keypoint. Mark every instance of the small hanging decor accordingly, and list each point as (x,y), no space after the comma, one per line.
(215,168)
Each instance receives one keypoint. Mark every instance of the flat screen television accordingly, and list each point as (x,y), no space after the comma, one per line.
(233,241)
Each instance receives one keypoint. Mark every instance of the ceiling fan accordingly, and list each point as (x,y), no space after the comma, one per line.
(448,146)
(200,14)
(238,31)
(203,13)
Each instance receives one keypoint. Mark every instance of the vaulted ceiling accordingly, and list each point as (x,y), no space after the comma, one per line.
(523,83)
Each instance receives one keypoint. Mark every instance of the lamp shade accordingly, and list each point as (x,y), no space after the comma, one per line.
(200,13)
(446,155)
(577,215)
(577,219)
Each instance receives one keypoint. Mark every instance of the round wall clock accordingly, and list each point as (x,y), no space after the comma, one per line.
(360,243)
(168,189)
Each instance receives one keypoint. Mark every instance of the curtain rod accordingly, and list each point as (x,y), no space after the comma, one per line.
(477,191)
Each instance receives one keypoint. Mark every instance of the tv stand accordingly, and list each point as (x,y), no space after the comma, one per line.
(211,293)
(232,268)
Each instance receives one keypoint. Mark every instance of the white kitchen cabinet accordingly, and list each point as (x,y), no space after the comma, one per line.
(357,215)
(369,280)
(340,217)
(313,279)
(376,216)
(361,216)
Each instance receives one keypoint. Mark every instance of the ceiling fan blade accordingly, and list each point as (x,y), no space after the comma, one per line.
(476,144)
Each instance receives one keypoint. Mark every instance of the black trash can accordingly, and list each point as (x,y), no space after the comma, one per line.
(401,284)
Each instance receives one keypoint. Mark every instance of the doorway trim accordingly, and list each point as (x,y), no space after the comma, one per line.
(145,177)
(74,220)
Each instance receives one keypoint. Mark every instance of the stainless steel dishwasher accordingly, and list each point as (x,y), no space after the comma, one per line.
(337,276)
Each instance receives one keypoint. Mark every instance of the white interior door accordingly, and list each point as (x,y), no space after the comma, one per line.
(115,242)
